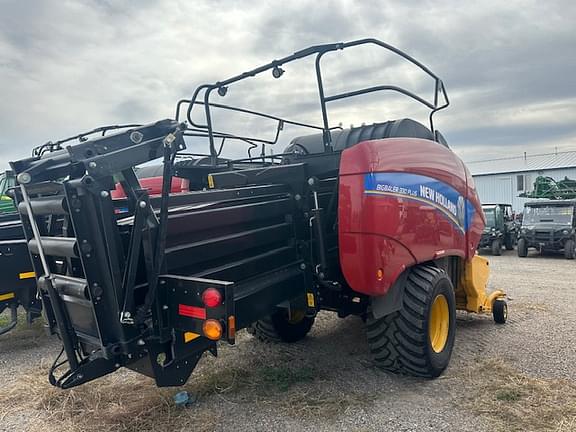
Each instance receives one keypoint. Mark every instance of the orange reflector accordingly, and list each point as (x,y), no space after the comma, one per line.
(380,274)
(231,327)
(27,275)
(190,336)
(310,300)
(212,329)
(8,296)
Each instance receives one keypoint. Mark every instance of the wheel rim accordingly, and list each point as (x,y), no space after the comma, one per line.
(439,323)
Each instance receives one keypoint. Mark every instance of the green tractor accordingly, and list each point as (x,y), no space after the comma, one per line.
(548,188)
(7,181)
(500,230)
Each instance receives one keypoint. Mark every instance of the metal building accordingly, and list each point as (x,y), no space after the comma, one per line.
(502,180)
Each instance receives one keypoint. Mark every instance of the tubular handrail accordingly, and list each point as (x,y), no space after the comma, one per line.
(440,99)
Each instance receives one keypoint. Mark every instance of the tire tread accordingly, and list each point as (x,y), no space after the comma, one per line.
(398,342)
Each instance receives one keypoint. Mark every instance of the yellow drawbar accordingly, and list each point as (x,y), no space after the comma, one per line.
(471,294)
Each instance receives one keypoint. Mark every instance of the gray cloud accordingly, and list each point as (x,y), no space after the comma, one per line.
(67,67)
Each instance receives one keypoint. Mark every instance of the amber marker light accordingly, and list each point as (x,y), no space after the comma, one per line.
(212,329)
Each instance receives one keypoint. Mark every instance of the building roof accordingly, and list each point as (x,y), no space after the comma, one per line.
(546,202)
(537,162)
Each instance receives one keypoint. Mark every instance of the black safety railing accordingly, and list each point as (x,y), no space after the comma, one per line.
(202,94)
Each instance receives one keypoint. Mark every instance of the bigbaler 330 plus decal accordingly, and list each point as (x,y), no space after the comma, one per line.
(380,221)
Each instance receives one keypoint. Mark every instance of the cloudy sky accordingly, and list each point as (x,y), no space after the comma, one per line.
(69,66)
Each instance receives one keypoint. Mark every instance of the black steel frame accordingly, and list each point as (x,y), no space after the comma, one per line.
(50,146)
(440,98)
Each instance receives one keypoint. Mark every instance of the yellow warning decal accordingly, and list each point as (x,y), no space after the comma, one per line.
(189,336)
(27,275)
(210,181)
(8,296)
(310,298)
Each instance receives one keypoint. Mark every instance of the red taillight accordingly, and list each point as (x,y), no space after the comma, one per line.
(211,297)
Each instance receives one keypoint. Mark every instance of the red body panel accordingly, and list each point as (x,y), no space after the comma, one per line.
(154,186)
(383,226)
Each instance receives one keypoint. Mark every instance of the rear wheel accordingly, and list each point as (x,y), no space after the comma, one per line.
(569,249)
(418,339)
(496,247)
(522,248)
(509,242)
(280,327)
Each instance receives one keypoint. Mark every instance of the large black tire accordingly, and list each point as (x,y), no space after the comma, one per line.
(496,247)
(509,242)
(407,341)
(278,328)
(569,249)
(522,248)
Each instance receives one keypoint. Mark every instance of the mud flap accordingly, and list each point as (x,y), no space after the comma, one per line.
(392,301)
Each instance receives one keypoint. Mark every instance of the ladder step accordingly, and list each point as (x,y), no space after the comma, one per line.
(68,285)
(56,246)
(44,188)
(45,206)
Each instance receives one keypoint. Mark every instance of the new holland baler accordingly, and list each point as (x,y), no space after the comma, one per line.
(379,221)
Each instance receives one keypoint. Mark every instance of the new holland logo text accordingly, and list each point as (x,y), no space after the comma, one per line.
(424,189)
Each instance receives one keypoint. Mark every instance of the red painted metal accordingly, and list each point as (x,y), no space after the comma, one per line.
(394,232)
(154,186)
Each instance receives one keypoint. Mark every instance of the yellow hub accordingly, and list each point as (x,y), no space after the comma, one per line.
(439,323)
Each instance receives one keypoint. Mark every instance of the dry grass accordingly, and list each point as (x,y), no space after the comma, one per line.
(516,402)
(127,402)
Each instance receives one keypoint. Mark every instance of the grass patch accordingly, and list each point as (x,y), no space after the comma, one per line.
(4,319)
(282,378)
(122,402)
(126,401)
(514,401)
(511,395)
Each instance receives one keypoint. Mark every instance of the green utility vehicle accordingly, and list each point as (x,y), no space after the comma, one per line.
(548,225)
(500,230)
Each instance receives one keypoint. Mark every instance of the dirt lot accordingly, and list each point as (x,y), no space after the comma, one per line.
(516,377)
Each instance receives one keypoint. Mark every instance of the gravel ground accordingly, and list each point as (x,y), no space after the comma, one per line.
(520,376)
